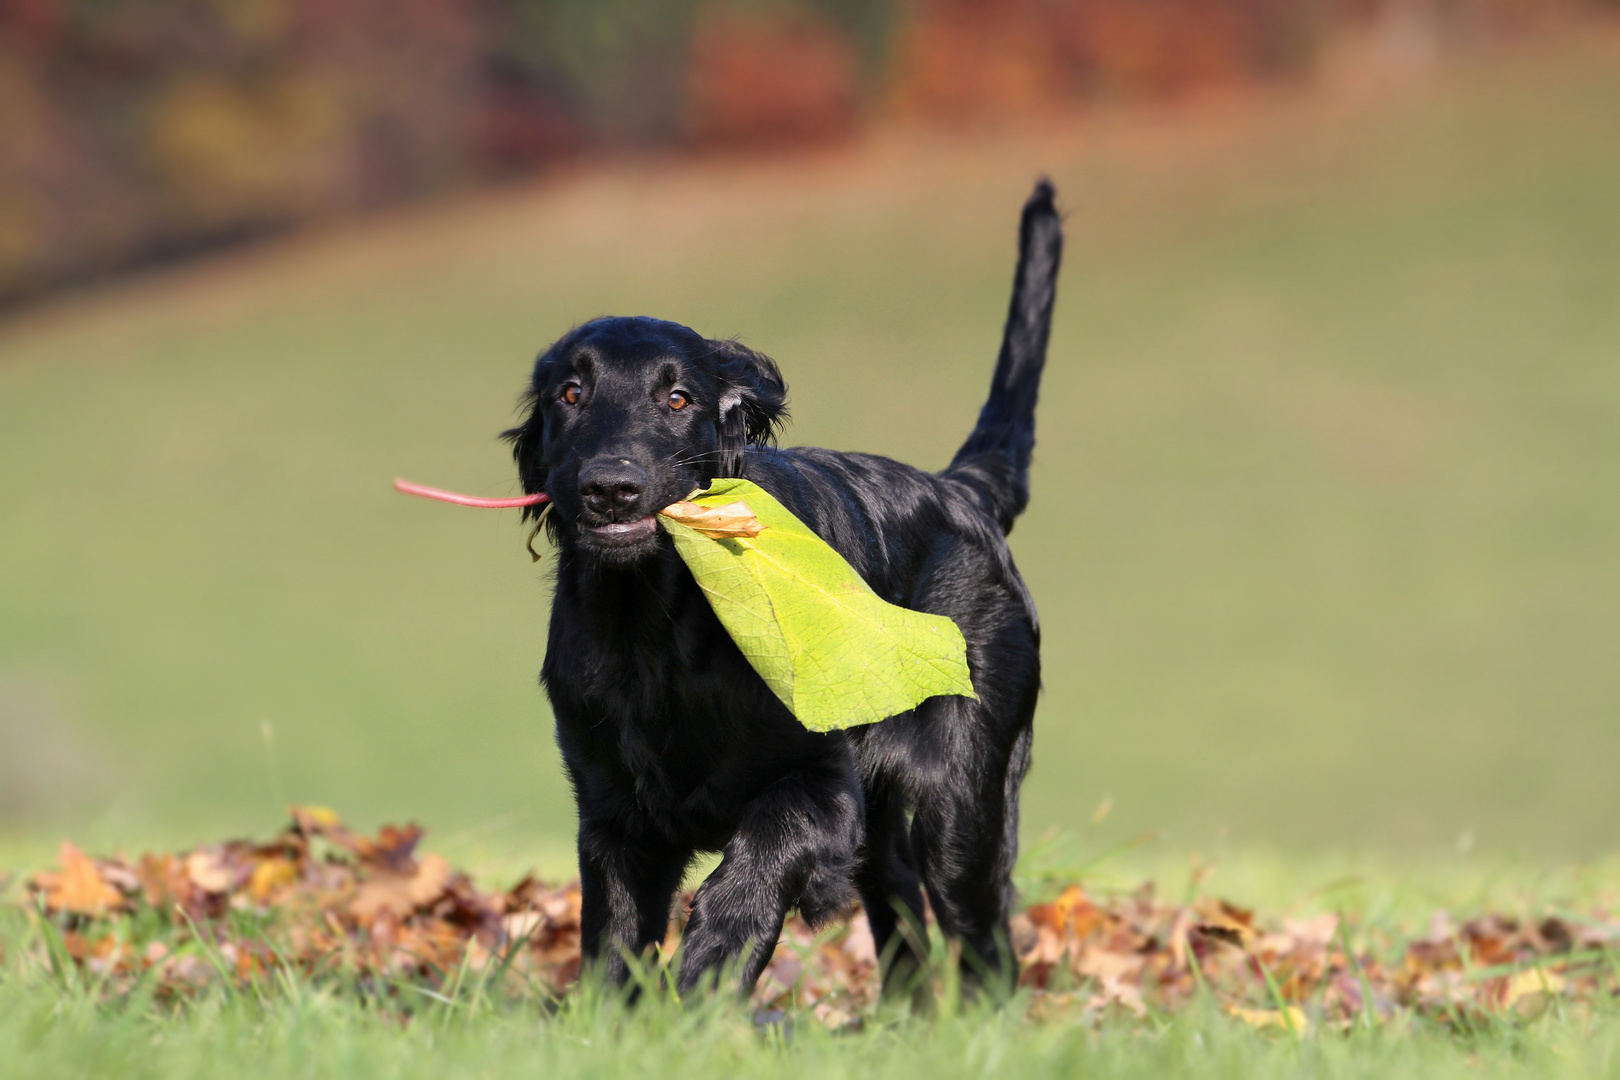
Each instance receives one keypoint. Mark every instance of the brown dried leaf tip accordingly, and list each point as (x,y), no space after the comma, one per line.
(715,522)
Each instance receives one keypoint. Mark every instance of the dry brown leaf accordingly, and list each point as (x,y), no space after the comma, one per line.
(715,522)
(270,877)
(370,905)
(1109,966)
(432,875)
(401,894)
(393,848)
(163,881)
(1226,922)
(208,871)
(79,888)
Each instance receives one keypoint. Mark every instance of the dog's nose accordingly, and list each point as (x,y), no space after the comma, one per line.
(612,486)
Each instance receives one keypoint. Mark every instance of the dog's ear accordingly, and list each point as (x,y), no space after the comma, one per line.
(528,438)
(753,401)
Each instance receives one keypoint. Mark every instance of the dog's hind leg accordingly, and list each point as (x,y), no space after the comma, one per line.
(965,837)
(796,846)
(891,892)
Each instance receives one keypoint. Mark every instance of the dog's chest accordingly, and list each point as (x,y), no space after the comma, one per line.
(660,715)
(685,772)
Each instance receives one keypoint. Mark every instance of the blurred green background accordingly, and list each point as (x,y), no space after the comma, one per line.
(1325,534)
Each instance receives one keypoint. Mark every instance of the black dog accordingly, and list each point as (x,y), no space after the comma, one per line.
(675,746)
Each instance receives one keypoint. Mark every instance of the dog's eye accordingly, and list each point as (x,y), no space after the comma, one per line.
(570,394)
(678,400)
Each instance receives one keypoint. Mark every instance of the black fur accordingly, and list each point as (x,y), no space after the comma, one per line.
(672,742)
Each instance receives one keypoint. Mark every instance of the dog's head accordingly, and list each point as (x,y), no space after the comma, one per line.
(627,415)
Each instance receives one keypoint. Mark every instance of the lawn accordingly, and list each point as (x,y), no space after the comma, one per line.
(61,1020)
(320,1036)
(316,1035)
(1324,534)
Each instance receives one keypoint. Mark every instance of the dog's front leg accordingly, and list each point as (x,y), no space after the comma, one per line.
(626,889)
(796,846)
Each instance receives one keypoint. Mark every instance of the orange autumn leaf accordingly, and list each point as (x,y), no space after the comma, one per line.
(79,888)
(1071,913)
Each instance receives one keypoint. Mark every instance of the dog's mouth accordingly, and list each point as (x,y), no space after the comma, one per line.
(617,540)
(622,533)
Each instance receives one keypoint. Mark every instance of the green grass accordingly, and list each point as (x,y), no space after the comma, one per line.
(1324,533)
(317,1035)
(58,1026)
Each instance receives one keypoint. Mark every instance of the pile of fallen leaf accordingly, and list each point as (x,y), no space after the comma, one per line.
(317,899)
(320,902)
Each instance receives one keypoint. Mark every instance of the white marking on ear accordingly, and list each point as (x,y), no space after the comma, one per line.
(730,400)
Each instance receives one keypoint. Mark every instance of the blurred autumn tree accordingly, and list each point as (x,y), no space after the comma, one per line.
(136,130)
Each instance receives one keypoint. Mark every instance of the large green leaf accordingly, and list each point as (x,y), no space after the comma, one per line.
(835,652)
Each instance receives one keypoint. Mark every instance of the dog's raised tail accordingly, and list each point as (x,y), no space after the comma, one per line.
(994,461)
